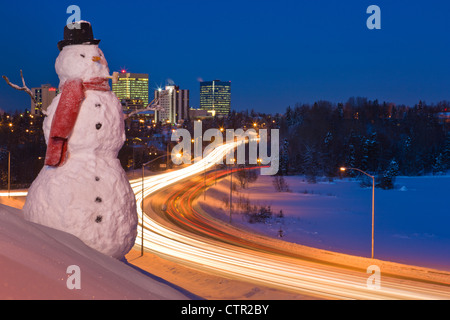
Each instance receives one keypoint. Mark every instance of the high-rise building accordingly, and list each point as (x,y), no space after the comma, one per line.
(44,96)
(132,87)
(174,104)
(215,97)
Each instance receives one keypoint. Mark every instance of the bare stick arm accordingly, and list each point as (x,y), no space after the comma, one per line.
(24,88)
(150,108)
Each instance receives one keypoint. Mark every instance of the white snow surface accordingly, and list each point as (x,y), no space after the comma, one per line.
(34,261)
(411,221)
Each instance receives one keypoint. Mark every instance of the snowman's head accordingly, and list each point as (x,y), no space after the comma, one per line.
(81,61)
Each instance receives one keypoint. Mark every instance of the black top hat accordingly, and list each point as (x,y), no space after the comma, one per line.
(79,32)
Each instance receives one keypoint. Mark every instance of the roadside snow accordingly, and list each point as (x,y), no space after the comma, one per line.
(411,227)
(34,261)
(22,277)
(411,221)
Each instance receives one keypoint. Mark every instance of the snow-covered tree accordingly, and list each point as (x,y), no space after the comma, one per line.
(438,165)
(328,162)
(311,164)
(350,160)
(388,176)
(289,117)
(446,153)
(284,158)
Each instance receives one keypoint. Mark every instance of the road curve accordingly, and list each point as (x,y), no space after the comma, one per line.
(182,234)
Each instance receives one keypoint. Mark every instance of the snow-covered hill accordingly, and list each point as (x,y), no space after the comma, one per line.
(34,263)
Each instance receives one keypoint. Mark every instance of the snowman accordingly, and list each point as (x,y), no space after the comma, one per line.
(82,188)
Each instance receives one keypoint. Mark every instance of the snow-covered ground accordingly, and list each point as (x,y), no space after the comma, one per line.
(34,263)
(411,226)
(412,222)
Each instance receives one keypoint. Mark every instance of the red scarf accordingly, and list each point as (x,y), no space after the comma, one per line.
(99,84)
(72,96)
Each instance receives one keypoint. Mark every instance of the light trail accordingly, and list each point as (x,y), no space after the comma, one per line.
(14,194)
(260,267)
(253,264)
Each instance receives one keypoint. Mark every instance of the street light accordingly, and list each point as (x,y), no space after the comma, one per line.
(231,184)
(204,183)
(343,169)
(142,194)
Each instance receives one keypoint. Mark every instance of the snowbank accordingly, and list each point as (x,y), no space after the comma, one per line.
(34,261)
(411,221)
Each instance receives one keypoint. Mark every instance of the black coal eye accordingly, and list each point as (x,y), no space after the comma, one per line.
(82,55)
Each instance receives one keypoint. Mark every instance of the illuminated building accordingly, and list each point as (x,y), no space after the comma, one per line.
(174,104)
(198,114)
(44,96)
(132,87)
(215,97)
(129,105)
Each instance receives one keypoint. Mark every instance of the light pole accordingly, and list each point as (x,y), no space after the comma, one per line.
(9,171)
(231,185)
(142,195)
(343,169)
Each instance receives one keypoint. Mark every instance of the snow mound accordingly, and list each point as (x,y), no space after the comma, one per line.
(34,262)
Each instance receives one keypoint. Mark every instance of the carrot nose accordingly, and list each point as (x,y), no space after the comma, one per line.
(96,58)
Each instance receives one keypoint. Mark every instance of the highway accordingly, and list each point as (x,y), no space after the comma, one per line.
(175,230)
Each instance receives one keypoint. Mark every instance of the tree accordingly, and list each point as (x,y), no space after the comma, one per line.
(289,116)
(328,156)
(284,157)
(311,164)
(446,153)
(388,177)
(370,153)
(438,165)
(280,184)
(246,176)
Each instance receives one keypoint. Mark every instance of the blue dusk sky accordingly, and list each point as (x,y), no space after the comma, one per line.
(275,53)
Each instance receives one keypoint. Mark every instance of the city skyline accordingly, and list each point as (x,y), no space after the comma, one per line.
(274,54)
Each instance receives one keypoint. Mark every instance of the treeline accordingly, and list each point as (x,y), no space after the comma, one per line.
(380,138)
(316,139)
(22,137)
